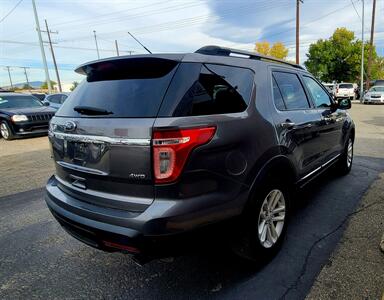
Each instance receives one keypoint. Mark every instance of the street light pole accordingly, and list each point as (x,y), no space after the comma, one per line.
(371,45)
(362,54)
(42,48)
(9,75)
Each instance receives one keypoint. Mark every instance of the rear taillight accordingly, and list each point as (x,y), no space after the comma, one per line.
(172,148)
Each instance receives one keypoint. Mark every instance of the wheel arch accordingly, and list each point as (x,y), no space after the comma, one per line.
(277,167)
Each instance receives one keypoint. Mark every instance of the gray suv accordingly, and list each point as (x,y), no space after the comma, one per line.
(152,147)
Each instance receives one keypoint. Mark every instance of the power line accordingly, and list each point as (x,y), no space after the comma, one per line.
(95,17)
(81,20)
(134,16)
(62,47)
(11,11)
(313,21)
(354,7)
(185,22)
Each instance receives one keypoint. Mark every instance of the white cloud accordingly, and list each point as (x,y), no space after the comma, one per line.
(165,26)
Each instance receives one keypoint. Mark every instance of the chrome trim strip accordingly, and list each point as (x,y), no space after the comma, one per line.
(81,169)
(309,174)
(96,139)
(329,161)
(128,200)
(322,166)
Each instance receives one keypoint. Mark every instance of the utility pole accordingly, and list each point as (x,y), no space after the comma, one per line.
(26,77)
(297,30)
(9,75)
(371,45)
(117,48)
(42,48)
(362,54)
(97,47)
(53,55)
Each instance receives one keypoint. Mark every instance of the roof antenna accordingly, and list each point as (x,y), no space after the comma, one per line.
(139,42)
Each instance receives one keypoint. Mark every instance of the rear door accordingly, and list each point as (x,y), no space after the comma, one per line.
(330,134)
(101,136)
(297,122)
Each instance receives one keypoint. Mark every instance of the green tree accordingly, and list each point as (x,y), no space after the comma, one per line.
(277,50)
(339,57)
(45,85)
(74,85)
(26,87)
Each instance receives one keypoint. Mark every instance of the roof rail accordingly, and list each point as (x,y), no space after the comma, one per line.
(223,51)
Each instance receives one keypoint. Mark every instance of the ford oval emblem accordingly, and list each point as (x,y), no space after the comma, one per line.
(70,126)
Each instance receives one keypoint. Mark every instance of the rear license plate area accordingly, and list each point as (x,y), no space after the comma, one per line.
(87,154)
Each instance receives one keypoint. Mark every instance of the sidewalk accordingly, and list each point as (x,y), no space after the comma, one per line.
(356,268)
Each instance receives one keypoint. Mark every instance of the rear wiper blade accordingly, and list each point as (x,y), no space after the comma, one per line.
(89,110)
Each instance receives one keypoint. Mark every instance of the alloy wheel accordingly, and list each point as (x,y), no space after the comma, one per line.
(4,131)
(349,153)
(271,218)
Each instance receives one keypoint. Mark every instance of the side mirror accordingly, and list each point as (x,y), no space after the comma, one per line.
(345,104)
(46,103)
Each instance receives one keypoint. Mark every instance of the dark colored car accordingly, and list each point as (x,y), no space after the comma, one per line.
(152,147)
(23,115)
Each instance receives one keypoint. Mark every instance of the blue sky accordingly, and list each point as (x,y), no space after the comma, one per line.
(166,26)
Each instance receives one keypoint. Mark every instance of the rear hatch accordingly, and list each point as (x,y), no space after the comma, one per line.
(101,136)
(345,89)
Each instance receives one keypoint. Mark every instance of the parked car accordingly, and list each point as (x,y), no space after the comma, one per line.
(379,82)
(330,87)
(39,96)
(22,115)
(345,90)
(152,147)
(374,95)
(56,100)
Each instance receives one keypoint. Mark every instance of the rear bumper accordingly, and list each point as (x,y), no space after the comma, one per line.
(156,230)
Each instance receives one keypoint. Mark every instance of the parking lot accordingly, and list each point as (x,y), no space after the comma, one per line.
(39,260)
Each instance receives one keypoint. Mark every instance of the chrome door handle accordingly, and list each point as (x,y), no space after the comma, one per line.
(287,125)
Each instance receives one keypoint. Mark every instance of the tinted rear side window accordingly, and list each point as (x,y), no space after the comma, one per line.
(129,88)
(206,89)
(345,86)
(291,90)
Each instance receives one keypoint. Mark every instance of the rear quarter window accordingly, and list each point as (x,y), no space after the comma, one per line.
(207,89)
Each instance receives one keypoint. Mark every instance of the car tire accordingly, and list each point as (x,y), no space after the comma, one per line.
(5,131)
(258,243)
(344,165)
